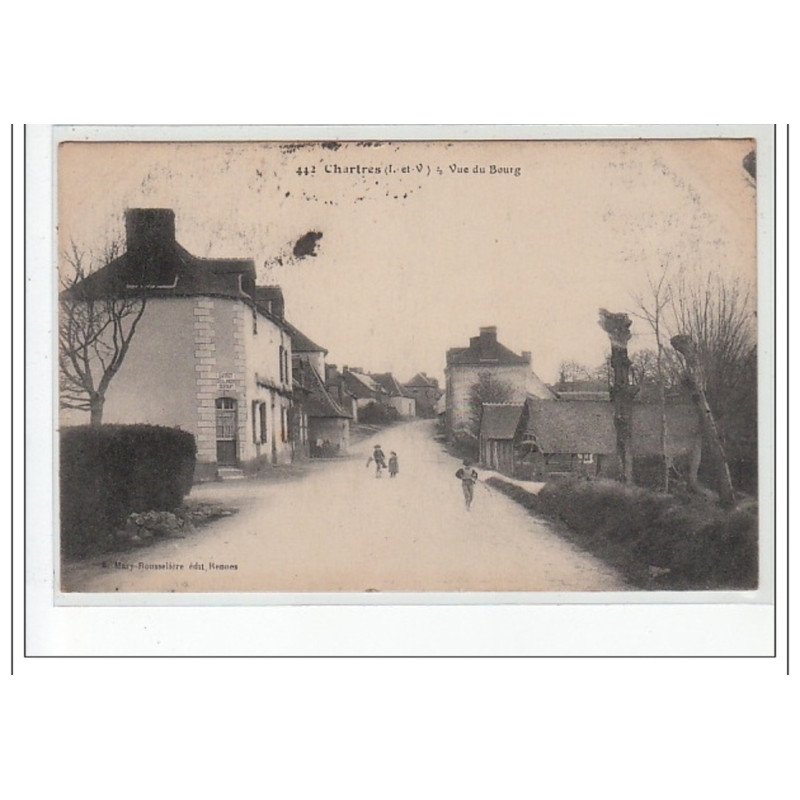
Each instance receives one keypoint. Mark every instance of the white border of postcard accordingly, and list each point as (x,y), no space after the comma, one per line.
(512,623)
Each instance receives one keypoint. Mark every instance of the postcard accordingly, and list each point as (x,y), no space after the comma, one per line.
(405,366)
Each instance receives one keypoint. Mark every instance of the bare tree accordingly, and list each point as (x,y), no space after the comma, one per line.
(94,333)
(652,310)
(487,390)
(623,392)
(718,317)
(569,371)
(696,382)
(714,323)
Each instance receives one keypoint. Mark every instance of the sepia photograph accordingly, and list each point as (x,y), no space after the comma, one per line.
(408,366)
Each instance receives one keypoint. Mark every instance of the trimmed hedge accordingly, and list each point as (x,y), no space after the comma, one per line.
(658,541)
(111,471)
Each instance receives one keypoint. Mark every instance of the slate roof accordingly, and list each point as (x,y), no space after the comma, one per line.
(423,380)
(597,397)
(581,386)
(500,420)
(319,402)
(482,354)
(388,383)
(300,342)
(154,264)
(361,386)
(172,271)
(271,297)
(582,390)
(585,426)
(485,351)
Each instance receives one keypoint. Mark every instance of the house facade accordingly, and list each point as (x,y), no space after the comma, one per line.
(335,384)
(206,357)
(426,394)
(486,356)
(364,391)
(395,396)
(328,423)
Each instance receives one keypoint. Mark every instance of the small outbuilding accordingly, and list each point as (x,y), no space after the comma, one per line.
(540,439)
(499,434)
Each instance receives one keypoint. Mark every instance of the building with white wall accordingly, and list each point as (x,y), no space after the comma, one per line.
(207,356)
(485,355)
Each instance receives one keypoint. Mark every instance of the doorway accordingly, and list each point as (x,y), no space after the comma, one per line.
(226,432)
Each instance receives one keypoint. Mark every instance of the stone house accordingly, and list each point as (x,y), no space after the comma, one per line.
(486,356)
(335,384)
(362,388)
(328,423)
(207,356)
(395,396)
(426,394)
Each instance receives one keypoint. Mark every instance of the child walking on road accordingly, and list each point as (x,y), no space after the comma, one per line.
(379,458)
(394,464)
(468,477)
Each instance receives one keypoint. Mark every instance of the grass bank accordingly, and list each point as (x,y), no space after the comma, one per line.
(656,541)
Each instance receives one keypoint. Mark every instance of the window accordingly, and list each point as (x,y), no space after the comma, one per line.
(281,362)
(284,426)
(262,414)
(255,321)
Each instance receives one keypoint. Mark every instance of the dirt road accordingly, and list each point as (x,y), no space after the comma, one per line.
(341,529)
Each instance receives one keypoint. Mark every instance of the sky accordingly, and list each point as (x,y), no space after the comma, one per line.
(424,242)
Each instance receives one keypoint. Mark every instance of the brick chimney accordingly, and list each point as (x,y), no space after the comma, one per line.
(487,340)
(149,230)
(526,355)
(488,334)
(271,297)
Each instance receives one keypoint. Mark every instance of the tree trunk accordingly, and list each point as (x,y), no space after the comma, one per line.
(662,400)
(695,457)
(96,410)
(696,384)
(622,394)
(617,326)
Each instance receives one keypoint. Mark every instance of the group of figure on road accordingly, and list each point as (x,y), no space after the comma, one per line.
(379,458)
(467,474)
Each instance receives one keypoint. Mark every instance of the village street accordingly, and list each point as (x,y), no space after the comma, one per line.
(338,528)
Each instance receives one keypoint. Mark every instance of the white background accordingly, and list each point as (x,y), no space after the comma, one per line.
(398,727)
